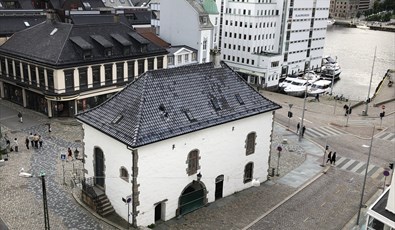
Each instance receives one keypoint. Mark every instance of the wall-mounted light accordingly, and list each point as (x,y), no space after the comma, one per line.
(199,176)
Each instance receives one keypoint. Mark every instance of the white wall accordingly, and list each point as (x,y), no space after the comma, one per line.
(162,169)
(181,28)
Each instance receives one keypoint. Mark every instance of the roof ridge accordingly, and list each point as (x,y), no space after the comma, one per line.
(64,43)
(139,115)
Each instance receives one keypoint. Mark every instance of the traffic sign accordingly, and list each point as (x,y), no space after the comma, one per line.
(386,172)
(279,148)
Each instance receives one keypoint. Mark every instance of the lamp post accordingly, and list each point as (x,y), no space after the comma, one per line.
(365,113)
(366,173)
(279,149)
(46,216)
(289,114)
(301,124)
(127,201)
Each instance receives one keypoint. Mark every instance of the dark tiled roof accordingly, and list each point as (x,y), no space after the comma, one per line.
(10,24)
(130,18)
(61,49)
(166,103)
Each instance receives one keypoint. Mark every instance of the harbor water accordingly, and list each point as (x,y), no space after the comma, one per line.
(354,49)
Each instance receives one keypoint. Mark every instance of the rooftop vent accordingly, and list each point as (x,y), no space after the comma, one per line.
(189,115)
(239,99)
(162,110)
(214,102)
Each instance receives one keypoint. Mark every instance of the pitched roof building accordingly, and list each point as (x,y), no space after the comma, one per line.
(176,139)
(60,69)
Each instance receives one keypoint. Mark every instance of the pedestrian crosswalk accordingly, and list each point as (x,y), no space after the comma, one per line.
(323,132)
(386,136)
(359,167)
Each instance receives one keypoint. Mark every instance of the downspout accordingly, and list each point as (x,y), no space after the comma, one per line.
(135,192)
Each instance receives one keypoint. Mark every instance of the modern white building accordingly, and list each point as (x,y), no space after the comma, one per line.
(250,39)
(177,139)
(186,22)
(381,214)
(304,33)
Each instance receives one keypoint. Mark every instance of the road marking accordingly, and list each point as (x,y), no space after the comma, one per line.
(306,219)
(359,165)
(305,120)
(348,164)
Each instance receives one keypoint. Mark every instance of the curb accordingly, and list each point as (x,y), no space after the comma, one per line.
(288,197)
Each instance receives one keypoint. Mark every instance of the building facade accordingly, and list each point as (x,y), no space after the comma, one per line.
(61,69)
(190,26)
(345,9)
(194,140)
(304,34)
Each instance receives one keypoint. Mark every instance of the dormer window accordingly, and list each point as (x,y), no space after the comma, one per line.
(108,52)
(87,54)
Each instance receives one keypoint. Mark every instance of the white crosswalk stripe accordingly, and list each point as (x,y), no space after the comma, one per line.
(386,136)
(359,167)
(323,131)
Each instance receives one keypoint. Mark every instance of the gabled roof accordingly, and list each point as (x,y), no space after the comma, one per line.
(166,103)
(62,44)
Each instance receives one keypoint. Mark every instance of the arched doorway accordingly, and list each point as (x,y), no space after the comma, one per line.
(219,185)
(99,168)
(193,197)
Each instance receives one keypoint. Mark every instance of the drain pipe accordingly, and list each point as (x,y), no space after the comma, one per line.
(135,192)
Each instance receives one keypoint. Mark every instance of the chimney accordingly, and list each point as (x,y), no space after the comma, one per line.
(50,15)
(116,18)
(215,57)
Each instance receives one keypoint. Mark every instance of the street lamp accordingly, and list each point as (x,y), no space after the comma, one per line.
(304,106)
(366,173)
(46,216)
(279,149)
(127,201)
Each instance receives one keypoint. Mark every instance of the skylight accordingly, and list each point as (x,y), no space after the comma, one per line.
(53,31)
(26,23)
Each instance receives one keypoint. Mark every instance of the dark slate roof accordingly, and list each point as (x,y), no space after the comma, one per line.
(10,24)
(62,49)
(166,103)
(380,207)
(130,18)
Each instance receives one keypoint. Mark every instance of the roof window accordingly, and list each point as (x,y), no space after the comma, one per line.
(26,23)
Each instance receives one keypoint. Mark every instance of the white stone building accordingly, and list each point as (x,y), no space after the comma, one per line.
(186,22)
(177,139)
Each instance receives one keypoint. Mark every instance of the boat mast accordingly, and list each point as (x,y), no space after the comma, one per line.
(365,113)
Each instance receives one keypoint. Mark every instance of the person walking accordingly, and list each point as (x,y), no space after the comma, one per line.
(27,142)
(329,157)
(40,141)
(317,97)
(35,139)
(16,144)
(49,128)
(297,127)
(303,130)
(31,139)
(20,117)
(333,161)
(69,154)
